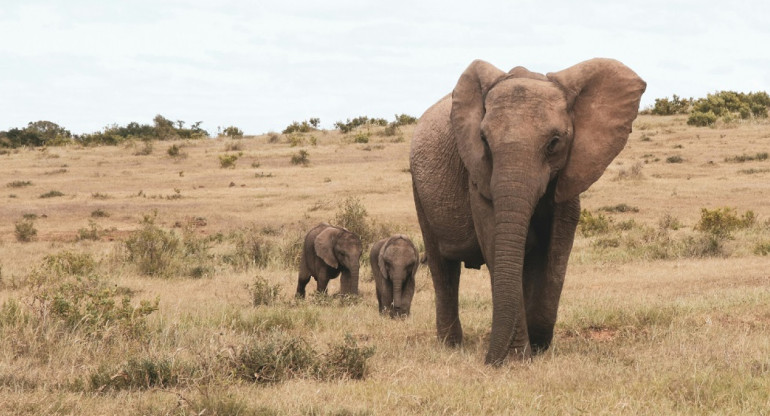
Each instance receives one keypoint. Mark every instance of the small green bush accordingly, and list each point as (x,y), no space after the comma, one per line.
(723,221)
(99,213)
(263,293)
(701,119)
(674,159)
(25,230)
(619,208)
(346,360)
(19,184)
(353,216)
(251,249)
(669,222)
(591,225)
(361,137)
(52,194)
(666,107)
(301,158)
(296,140)
(233,132)
(747,158)
(277,358)
(227,161)
(139,374)
(99,195)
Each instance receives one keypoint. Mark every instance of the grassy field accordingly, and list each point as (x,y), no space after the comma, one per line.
(159,284)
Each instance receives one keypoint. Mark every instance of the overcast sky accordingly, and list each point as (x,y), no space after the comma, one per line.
(259,65)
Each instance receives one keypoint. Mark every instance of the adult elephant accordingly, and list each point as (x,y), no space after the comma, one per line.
(497,169)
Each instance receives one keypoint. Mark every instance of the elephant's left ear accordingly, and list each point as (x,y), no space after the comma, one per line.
(606,97)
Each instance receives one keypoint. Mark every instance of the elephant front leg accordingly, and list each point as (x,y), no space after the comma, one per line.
(302,280)
(545,268)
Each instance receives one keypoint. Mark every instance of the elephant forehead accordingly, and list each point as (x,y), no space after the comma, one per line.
(526,94)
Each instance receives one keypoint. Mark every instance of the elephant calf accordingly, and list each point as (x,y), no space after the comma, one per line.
(327,252)
(394,265)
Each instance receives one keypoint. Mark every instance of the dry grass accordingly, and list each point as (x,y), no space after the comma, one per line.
(636,335)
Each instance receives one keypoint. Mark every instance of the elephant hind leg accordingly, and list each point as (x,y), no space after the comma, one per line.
(302,280)
(446,284)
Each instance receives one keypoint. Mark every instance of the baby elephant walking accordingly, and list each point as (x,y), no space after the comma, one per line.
(394,265)
(329,251)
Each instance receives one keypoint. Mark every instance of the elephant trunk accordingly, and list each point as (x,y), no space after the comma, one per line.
(514,202)
(349,280)
(397,285)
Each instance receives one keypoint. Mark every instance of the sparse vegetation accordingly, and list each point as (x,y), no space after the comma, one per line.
(747,158)
(233,132)
(19,184)
(52,194)
(672,310)
(674,159)
(25,230)
(228,161)
(301,158)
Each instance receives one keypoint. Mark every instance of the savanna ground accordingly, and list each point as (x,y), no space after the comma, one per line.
(160,284)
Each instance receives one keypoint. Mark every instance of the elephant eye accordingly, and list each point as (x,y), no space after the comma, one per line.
(552,144)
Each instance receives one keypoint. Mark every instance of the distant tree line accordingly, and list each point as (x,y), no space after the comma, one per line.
(47,133)
(727,105)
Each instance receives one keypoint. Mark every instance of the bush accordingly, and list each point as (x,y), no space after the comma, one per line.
(296,140)
(591,225)
(51,194)
(674,159)
(227,161)
(747,158)
(723,221)
(277,358)
(138,373)
(93,232)
(233,132)
(303,127)
(262,292)
(65,287)
(701,119)
(25,230)
(361,138)
(99,213)
(353,216)
(619,208)
(154,251)
(666,107)
(301,158)
(347,360)
(350,125)
(19,184)
(251,249)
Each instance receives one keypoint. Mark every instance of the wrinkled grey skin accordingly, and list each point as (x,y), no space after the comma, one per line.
(394,263)
(328,252)
(497,169)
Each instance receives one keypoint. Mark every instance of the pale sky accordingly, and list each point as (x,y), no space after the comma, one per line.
(259,65)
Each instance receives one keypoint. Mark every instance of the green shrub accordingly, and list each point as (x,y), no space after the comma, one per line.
(25,230)
(346,360)
(350,125)
(361,137)
(303,127)
(762,248)
(99,213)
(723,221)
(666,107)
(233,132)
(251,249)
(227,161)
(701,119)
(747,158)
(674,159)
(99,195)
(301,158)
(19,184)
(262,292)
(52,194)
(619,208)
(93,232)
(296,140)
(277,358)
(353,216)
(669,222)
(154,251)
(65,287)
(139,374)
(591,225)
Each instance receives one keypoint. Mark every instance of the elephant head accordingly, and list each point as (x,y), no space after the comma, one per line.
(522,135)
(394,262)
(341,249)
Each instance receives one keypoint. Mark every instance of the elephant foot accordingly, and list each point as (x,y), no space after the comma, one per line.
(452,338)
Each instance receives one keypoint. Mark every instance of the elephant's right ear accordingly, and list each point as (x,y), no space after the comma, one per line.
(324,246)
(381,259)
(466,115)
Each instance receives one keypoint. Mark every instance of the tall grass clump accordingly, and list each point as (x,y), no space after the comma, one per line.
(65,287)
(140,373)
(25,230)
(262,292)
(159,253)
